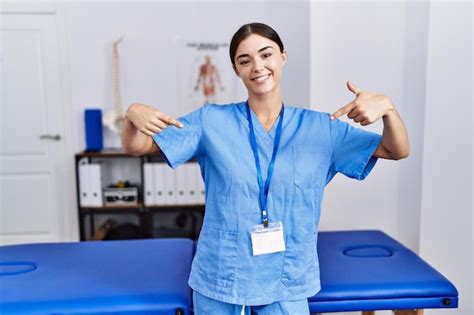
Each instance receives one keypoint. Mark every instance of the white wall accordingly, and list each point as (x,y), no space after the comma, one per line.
(150,55)
(366,43)
(420,55)
(446,207)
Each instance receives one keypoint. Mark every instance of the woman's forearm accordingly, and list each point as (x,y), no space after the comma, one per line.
(134,141)
(140,124)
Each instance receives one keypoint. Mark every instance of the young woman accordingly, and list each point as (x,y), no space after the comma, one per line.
(257,247)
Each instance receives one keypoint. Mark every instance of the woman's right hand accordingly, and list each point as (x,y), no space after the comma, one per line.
(148,119)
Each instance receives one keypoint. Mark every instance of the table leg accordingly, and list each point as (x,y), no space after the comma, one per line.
(398,312)
(408,312)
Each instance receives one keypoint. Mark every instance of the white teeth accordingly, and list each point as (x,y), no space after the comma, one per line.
(262,78)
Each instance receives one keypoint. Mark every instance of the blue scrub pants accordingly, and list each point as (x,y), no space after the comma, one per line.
(206,306)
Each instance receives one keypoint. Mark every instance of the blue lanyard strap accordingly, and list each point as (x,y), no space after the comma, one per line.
(253,142)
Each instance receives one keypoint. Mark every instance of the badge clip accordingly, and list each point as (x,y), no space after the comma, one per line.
(264,218)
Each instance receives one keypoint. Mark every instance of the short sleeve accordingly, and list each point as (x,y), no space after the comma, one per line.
(178,145)
(353,149)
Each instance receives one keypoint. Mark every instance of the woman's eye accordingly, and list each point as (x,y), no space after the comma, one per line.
(243,62)
(267,55)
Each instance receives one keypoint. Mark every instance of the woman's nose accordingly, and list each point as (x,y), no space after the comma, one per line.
(258,65)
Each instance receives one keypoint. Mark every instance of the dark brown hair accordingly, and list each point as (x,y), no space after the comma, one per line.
(249,29)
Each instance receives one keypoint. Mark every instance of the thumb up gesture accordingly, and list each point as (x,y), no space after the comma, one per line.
(366,108)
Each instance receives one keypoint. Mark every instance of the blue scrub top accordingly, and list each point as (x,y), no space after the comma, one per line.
(312,150)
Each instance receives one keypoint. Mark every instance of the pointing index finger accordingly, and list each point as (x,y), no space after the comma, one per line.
(177,123)
(172,121)
(343,110)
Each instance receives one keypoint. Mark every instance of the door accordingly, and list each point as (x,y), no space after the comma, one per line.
(34,185)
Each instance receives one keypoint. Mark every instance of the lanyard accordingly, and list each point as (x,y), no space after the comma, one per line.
(253,142)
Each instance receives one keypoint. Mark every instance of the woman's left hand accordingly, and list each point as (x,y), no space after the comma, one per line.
(366,108)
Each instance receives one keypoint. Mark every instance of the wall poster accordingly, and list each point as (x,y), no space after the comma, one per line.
(205,75)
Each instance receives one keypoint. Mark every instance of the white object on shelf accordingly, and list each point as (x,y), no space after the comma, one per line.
(113,119)
(160,183)
(83,185)
(149,184)
(169,178)
(181,178)
(189,183)
(90,185)
(199,184)
(95,183)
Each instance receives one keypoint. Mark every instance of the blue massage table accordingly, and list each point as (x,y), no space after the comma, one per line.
(103,277)
(369,270)
(360,271)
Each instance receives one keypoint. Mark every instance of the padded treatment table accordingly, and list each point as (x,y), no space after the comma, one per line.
(368,270)
(114,277)
(360,271)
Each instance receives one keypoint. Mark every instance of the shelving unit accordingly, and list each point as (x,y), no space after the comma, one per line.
(144,213)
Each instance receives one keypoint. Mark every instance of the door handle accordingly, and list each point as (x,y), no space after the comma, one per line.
(51,137)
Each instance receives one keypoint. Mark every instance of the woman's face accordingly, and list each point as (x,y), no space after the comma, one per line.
(258,63)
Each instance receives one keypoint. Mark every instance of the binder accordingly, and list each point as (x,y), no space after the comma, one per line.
(148,184)
(164,186)
(180,174)
(199,182)
(95,185)
(190,184)
(93,129)
(169,179)
(159,183)
(90,185)
(193,183)
(83,185)
(162,193)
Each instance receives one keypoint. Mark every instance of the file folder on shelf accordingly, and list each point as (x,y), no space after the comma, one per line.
(189,183)
(95,182)
(159,183)
(180,175)
(200,193)
(148,184)
(83,185)
(163,185)
(169,179)
(90,185)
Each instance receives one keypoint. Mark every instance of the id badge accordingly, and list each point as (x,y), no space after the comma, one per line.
(267,240)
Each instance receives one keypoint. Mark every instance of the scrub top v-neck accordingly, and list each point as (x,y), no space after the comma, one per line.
(312,150)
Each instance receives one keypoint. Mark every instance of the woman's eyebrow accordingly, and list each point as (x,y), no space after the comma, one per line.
(261,49)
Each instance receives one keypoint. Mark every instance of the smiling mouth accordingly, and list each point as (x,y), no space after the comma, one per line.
(262,78)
